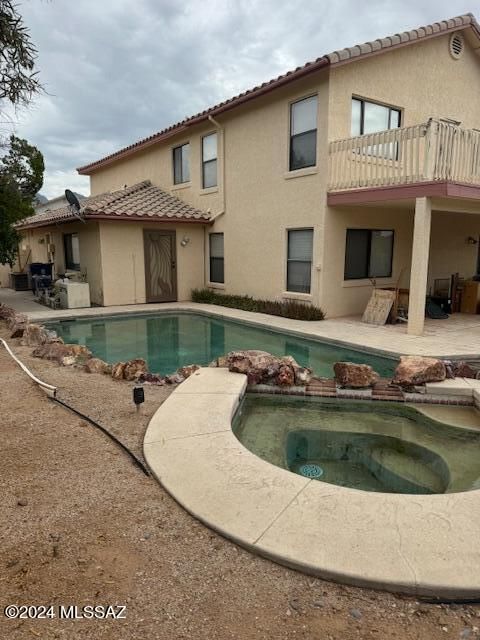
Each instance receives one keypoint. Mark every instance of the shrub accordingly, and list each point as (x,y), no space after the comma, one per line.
(287,309)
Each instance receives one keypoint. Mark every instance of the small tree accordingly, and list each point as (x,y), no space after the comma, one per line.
(18,78)
(21,177)
(21,168)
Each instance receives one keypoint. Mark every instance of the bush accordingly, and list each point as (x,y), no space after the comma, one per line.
(287,309)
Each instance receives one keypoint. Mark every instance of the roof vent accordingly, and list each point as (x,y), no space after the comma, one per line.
(457,45)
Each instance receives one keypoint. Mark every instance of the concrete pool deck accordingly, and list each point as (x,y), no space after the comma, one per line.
(457,337)
(424,545)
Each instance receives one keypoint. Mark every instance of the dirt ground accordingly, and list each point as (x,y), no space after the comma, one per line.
(81,525)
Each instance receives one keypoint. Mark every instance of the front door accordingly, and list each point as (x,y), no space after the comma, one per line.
(160,266)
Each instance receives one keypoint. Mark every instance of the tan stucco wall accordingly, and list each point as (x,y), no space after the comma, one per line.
(422,79)
(342,297)
(263,200)
(35,242)
(124,267)
(449,251)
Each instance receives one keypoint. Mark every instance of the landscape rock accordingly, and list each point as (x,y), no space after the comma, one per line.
(57,352)
(259,366)
(96,365)
(17,324)
(35,335)
(285,376)
(187,371)
(413,370)
(463,369)
(117,370)
(151,378)
(175,378)
(6,312)
(262,367)
(134,368)
(355,376)
(80,352)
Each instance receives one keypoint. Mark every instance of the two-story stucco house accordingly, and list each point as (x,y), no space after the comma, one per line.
(361,165)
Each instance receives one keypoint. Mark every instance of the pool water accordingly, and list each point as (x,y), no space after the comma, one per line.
(384,447)
(169,341)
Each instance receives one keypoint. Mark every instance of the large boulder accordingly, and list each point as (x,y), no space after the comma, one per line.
(262,367)
(259,366)
(355,376)
(415,370)
(96,365)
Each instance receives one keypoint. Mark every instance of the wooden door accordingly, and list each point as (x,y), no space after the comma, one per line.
(160,265)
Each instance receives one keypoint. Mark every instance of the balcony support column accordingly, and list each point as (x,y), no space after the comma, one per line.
(419,267)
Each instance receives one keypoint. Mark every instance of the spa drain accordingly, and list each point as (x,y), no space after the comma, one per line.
(311,470)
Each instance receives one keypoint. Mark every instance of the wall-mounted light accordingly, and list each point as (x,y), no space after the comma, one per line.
(185,240)
(472,240)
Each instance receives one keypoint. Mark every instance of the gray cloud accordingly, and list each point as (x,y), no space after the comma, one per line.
(116,71)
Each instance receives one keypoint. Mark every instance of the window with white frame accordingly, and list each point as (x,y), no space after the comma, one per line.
(209,161)
(303,133)
(181,164)
(299,260)
(371,117)
(216,258)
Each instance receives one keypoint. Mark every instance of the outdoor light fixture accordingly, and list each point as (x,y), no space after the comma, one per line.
(472,240)
(185,241)
(138,396)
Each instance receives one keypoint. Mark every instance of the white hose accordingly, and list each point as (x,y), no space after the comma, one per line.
(49,389)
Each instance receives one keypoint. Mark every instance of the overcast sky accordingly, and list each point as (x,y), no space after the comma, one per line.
(119,70)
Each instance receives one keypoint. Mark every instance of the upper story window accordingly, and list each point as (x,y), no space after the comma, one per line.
(370,117)
(181,164)
(209,161)
(303,133)
(72,251)
(299,260)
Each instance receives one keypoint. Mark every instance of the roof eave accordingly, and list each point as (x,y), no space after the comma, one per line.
(236,102)
(113,218)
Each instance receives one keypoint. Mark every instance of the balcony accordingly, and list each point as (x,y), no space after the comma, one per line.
(434,158)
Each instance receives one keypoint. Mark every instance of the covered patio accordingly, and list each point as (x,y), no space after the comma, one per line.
(429,174)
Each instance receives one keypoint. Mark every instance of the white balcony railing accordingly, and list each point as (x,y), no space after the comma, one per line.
(436,150)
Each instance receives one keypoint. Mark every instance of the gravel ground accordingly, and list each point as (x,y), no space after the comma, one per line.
(80,525)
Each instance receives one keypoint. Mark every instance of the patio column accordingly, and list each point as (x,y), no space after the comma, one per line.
(419,268)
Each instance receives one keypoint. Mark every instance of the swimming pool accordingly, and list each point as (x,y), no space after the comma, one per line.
(169,341)
(387,448)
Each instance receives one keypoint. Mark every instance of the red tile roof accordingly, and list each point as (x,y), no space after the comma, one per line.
(342,56)
(142,201)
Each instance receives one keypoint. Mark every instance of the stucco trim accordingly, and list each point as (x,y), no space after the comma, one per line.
(404,192)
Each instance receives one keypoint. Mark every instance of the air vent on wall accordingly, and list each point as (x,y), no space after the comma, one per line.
(457,45)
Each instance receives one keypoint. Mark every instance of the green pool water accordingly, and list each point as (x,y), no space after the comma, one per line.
(384,447)
(170,341)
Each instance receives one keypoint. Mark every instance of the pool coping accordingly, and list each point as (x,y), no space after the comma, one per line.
(310,330)
(421,545)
